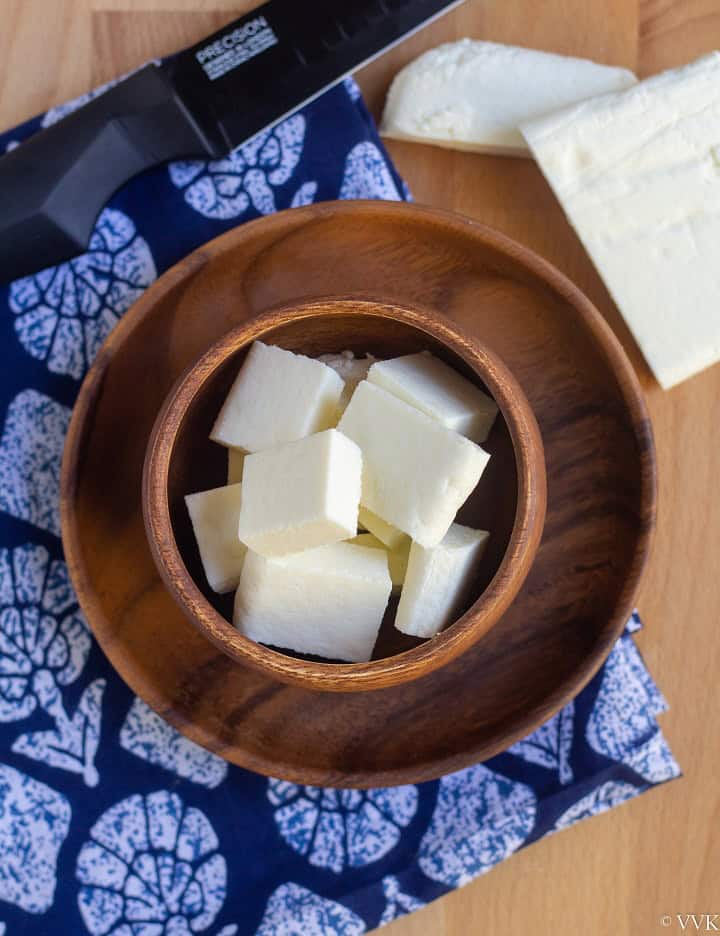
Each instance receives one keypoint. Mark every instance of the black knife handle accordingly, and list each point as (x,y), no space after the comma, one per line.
(53,186)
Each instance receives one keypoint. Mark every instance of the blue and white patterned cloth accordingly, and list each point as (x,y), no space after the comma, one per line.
(110,821)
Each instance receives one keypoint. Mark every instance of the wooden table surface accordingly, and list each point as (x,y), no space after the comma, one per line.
(620,873)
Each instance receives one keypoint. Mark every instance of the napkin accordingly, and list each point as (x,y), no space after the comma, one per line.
(110,821)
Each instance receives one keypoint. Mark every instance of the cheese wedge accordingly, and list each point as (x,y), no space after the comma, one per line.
(277,397)
(437,580)
(474,95)
(301,495)
(638,175)
(214,516)
(388,535)
(428,384)
(397,559)
(328,602)
(416,473)
(235,466)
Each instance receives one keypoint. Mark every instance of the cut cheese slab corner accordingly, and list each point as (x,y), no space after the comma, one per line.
(235,466)
(474,95)
(328,602)
(428,384)
(214,516)
(437,581)
(397,558)
(301,495)
(416,472)
(388,535)
(277,397)
(638,176)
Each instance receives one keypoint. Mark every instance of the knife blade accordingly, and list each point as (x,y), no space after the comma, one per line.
(202,103)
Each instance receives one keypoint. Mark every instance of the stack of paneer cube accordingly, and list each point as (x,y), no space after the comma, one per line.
(340,494)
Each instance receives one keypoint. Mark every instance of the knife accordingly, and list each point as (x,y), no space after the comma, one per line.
(202,103)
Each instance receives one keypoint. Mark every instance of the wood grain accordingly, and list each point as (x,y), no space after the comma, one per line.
(600,491)
(619,873)
(181,459)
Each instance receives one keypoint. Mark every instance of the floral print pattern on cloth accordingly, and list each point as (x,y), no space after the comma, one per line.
(605,797)
(367,175)
(64,313)
(340,829)
(152,863)
(44,646)
(226,188)
(622,724)
(551,744)
(398,903)
(111,822)
(145,734)
(34,821)
(31,448)
(296,911)
(480,819)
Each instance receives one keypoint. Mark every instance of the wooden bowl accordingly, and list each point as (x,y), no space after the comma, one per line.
(509,501)
(601,495)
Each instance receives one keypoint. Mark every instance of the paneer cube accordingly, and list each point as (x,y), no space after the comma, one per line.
(416,472)
(437,390)
(437,580)
(277,397)
(301,495)
(235,465)
(389,535)
(397,558)
(328,602)
(214,516)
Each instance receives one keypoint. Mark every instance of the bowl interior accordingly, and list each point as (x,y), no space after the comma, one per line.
(197,464)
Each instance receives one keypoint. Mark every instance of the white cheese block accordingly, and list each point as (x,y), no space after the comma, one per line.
(328,601)
(235,466)
(437,580)
(277,397)
(301,495)
(351,369)
(214,516)
(388,535)
(416,473)
(436,389)
(397,558)
(473,95)
(638,174)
